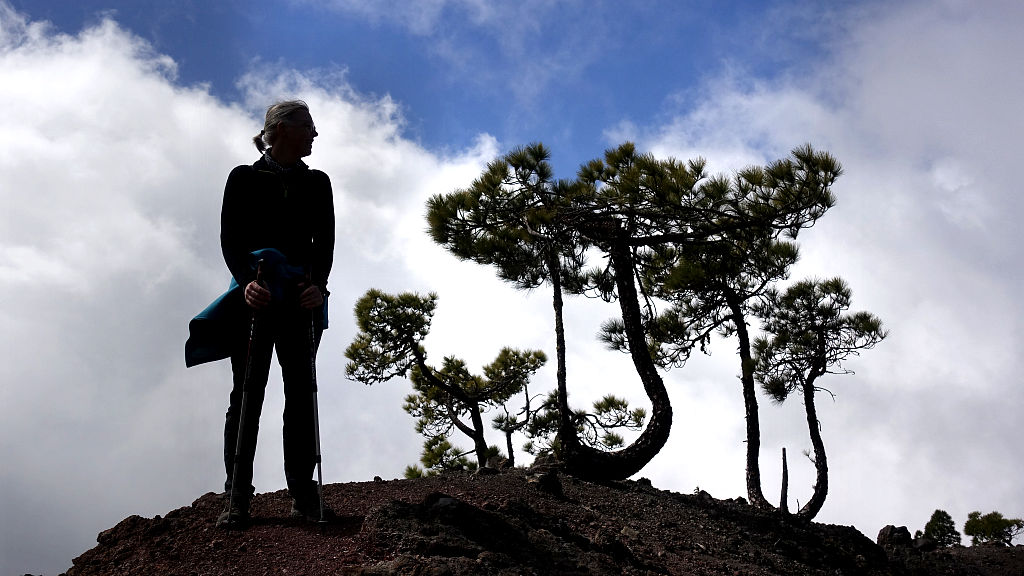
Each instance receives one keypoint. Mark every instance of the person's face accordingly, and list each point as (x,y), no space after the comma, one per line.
(297,133)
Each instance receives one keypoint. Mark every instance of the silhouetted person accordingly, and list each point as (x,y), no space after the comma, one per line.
(278,203)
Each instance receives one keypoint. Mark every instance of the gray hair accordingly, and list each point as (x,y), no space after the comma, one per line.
(276,113)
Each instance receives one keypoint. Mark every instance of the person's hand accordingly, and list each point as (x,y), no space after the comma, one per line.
(311,297)
(256,296)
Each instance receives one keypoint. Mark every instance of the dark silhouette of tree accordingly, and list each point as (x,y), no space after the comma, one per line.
(388,345)
(712,289)
(513,370)
(711,248)
(809,336)
(941,529)
(992,528)
(596,428)
(650,218)
(516,218)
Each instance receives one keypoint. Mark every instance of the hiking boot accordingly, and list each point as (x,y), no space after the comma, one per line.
(309,508)
(235,516)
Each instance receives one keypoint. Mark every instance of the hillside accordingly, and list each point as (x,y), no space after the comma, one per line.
(513,522)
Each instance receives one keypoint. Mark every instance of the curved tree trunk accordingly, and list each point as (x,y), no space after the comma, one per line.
(813,506)
(754,493)
(479,442)
(588,462)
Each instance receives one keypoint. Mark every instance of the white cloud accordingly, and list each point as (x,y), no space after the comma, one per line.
(960,200)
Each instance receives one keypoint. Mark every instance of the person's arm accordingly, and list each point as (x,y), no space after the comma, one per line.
(323,234)
(233,234)
(235,213)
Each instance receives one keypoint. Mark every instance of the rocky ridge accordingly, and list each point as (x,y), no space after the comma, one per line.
(516,522)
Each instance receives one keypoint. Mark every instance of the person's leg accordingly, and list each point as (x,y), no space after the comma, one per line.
(262,349)
(295,354)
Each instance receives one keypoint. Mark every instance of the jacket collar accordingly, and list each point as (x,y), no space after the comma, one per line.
(268,164)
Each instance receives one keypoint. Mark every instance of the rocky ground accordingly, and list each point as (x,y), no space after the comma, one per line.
(517,522)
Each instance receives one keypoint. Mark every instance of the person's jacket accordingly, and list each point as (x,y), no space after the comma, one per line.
(214,332)
(292,212)
(286,216)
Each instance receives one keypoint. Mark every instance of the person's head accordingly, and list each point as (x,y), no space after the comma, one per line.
(289,126)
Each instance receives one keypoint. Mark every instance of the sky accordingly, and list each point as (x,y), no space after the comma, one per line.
(122,120)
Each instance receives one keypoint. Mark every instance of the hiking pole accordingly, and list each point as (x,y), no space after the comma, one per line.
(316,409)
(245,397)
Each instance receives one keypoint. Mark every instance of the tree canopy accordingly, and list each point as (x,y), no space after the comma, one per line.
(654,221)
(517,218)
(685,255)
(808,335)
(941,529)
(389,344)
(451,397)
(992,528)
(708,249)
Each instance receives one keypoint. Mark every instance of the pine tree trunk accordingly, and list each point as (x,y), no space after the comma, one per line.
(511,453)
(479,441)
(589,462)
(566,428)
(754,492)
(813,506)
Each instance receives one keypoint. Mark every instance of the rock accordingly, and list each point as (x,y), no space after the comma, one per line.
(891,537)
(123,530)
(548,482)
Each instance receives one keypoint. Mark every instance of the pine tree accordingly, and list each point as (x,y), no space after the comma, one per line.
(652,219)
(808,336)
(711,247)
(596,428)
(992,528)
(516,218)
(389,345)
(941,529)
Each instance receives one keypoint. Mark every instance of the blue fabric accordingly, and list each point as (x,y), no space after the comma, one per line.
(220,325)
